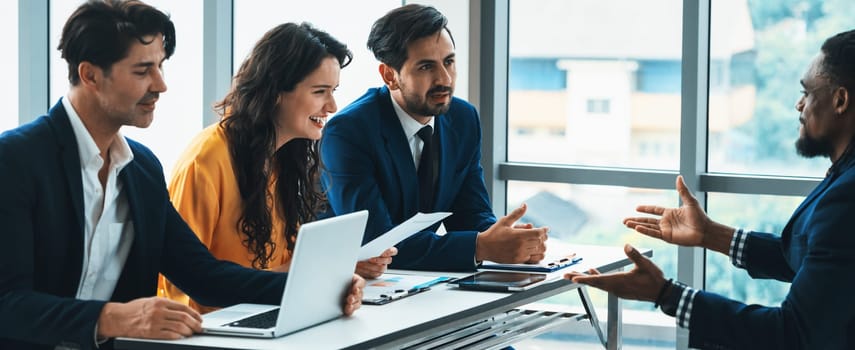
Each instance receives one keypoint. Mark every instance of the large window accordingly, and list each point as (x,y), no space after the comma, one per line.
(9,60)
(179,115)
(719,111)
(758,57)
(595,82)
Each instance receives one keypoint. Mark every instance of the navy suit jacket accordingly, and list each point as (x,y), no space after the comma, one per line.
(816,253)
(368,165)
(41,225)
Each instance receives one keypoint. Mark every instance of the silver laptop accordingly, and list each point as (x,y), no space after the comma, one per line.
(321,271)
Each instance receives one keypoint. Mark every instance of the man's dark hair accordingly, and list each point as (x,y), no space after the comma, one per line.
(391,34)
(839,61)
(101,32)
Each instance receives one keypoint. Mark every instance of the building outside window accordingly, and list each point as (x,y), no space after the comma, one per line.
(599,106)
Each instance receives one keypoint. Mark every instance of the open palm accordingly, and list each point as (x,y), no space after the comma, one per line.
(684,225)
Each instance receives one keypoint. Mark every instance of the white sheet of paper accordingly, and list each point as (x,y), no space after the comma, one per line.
(398,233)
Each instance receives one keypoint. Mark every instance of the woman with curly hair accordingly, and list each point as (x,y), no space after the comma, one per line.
(245,184)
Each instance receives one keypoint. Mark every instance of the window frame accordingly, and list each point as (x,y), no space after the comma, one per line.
(489,92)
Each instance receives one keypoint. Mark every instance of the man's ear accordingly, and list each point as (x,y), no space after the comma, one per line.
(841,100)
(89,73)
(389,75)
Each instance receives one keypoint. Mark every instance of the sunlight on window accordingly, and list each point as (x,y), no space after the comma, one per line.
(9,60)
(590,82)
(760,50)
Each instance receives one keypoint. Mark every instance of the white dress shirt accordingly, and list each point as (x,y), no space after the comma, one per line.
(108,232)
(411,129)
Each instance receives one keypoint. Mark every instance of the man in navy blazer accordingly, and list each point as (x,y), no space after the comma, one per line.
(815,252)
(372,153)
(87,224)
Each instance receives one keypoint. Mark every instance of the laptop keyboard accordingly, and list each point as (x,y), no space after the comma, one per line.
(263,320)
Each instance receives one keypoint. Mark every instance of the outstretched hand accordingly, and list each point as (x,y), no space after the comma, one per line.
(643,282)
(685,225)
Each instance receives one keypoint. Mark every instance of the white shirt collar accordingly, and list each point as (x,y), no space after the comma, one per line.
(120,151)
(410,125)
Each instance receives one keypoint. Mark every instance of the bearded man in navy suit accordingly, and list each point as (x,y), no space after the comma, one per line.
(815,253)
(374,153)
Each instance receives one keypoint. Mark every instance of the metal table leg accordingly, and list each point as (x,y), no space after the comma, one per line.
(615,323)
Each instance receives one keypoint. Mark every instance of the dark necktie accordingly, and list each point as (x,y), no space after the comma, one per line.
(427,169)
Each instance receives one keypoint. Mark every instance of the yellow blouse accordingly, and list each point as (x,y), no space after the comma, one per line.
(204,190)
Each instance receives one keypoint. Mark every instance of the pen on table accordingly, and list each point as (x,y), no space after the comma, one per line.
(566,261)
(573,261)
(568,258)
(400,293)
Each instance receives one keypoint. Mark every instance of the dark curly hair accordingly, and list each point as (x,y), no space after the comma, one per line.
(839,61)
(282,58)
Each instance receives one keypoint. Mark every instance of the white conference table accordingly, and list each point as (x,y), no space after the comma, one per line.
(414,320)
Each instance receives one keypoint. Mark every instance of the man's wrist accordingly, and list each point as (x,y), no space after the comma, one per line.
(479,249)
(671,298)
(104,323)
(663,292)
(718,237)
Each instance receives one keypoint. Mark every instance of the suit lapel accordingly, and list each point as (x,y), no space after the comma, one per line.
(398,150)
(787,232)
(70,159)
(134,268)
(847,163)
(816,191)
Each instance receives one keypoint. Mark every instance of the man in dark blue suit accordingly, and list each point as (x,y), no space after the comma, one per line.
(86,220)
(815,252)
(411,146)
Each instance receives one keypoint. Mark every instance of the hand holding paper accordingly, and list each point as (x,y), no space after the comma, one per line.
(398,233)
(375,266)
